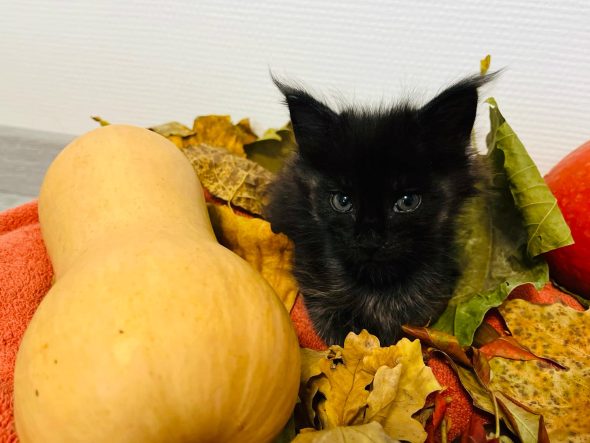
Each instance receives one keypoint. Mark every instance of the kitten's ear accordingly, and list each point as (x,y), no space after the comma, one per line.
(311,119)
(451,114)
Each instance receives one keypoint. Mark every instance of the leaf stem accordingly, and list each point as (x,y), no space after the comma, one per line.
(496,415)
(443,430)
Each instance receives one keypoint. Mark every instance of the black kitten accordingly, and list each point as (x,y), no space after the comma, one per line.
(370,202)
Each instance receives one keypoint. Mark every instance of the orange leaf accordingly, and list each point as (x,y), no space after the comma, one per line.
(441,341)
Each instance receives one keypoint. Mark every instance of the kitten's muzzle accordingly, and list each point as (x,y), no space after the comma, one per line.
(381,252)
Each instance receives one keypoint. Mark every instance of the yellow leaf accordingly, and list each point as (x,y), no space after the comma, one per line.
(172,128)
(310,363)
(310,368)
(173,131)
(415,384)
(249,134)
(371,432)
(253,240)
(219,131)
(484,64)
(327,419)
(347,398)
(214,130)
(381,398)
(362,383)
(561,334)
(100,120)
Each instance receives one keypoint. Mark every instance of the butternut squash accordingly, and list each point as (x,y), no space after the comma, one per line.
(152,331)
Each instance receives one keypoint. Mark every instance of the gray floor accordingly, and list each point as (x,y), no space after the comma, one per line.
(24,157)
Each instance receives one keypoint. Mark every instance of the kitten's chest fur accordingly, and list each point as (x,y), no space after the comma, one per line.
(370,201)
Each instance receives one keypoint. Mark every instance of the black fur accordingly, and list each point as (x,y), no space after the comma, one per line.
(373,267)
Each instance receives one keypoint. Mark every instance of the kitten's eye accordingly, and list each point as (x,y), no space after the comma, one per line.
(408,203)
(341,202)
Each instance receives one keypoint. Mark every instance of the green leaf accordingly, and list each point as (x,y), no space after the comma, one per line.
(493,259)
(100,120)
(545,225)
(502,232)
(272,149)
(523,421)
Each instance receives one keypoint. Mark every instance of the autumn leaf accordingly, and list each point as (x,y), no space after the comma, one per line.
(493,260)
(172,128)
(100,121)
(525,422)
(219,131)
(252,239)
(370,432)
(561,396)
(502,233)
(347,397)
(546,228)
(486,332)
(416,383)
(518,418)
(214,130)
(384,393)
(440,408)
(479,394)
(229,177)
(507,347)
(440,340)
(476,432)
(310,368)
(173,131)
(248,133)
(484,64)
(362,382)
(273,148)
(310,363)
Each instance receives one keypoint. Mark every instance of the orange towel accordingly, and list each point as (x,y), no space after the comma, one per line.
(25,277)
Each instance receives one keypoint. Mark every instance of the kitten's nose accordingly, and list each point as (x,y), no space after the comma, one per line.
(370,238)
(371,226)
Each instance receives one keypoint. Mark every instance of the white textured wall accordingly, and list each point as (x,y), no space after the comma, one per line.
(149,61)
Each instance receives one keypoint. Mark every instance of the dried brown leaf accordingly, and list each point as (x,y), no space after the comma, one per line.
(231,178)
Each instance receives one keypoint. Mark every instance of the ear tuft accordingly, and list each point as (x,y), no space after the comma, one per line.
(451,114)
(312,120)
